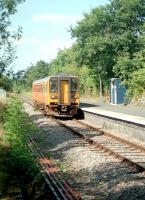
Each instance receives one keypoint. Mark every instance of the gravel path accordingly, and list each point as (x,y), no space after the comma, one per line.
(94,173)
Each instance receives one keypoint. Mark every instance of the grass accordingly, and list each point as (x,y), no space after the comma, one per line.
(3,154)
(28,94)
(8,183)
(10,155)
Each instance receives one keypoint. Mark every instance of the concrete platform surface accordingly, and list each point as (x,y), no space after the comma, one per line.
(128,113)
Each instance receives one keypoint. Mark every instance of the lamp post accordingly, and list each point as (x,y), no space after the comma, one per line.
(101,93)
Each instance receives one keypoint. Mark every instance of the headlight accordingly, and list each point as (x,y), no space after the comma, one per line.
(54,96)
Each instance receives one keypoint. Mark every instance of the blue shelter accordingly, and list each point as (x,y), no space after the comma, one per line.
(117,91)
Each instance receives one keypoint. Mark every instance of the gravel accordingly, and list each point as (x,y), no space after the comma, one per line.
(91,119)
(93,173)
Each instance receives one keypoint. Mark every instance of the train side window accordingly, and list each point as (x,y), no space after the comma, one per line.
(54,85)
(74,84)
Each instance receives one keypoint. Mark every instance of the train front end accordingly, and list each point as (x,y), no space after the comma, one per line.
(64,95)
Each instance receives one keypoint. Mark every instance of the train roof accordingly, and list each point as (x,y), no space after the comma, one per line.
(56,76)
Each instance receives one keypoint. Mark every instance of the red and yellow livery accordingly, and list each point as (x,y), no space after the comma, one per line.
(58,95)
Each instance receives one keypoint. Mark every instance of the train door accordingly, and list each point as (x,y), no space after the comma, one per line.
(64,91)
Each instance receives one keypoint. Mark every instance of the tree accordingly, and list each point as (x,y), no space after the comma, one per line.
(7,38)
(94,42)
(137,82)
(109,38)
(66,61)
(128,36)
(109,42)
(34,72)
(6,82)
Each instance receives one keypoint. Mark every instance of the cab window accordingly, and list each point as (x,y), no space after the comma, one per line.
(74,84)
(53,85)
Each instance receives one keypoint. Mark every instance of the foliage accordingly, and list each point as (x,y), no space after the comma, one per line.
(6,83)
(17,128)
(137,83)
(16,160)
(94,42)
(109,42)
(66,61)
(110,39)
(34,72)
(2,111)
(4,178)
(7,38)
(18,81)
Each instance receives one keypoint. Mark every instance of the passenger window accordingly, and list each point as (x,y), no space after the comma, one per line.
(74,85)
(54,85)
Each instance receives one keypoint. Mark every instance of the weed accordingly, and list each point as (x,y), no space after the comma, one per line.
(17,127)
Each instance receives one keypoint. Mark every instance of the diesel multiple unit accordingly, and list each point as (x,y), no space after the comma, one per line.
(58,95)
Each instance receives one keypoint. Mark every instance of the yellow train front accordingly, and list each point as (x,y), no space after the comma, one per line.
(58,95)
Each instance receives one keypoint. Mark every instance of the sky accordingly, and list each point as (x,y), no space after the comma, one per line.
(45,25)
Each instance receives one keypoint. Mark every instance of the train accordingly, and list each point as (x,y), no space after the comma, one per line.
(58,95)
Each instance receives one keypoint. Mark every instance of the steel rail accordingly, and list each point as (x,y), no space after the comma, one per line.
(48,181)
(60,188)
(103,147)
(100,130)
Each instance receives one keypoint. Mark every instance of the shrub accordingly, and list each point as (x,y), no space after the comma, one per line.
(17,128)
(137,83)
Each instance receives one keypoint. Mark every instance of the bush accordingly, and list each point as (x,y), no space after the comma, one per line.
(2,111)
(17,128)
(137,83)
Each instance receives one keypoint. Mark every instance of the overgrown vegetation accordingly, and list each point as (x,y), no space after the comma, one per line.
(137,82)
(16,159)
(7,39)
(109,42)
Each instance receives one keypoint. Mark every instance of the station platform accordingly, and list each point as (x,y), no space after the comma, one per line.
(127,113)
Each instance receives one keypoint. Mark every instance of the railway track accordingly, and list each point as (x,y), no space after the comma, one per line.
(113,146)
(57,187)
(124,150)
